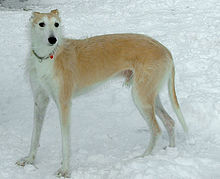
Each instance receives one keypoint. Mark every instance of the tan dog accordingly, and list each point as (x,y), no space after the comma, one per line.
(64,68)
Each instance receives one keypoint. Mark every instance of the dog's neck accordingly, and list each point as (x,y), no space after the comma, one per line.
(43,50)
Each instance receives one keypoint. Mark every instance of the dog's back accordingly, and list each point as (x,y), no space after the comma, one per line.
(98,58)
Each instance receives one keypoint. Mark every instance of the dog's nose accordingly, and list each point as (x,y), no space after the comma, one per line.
(52,40)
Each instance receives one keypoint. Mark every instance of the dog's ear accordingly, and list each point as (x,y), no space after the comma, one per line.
(55,11)
(34,14)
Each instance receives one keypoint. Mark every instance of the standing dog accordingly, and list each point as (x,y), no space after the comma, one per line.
(64,68)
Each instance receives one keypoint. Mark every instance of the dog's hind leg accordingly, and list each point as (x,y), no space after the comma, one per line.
(167,121)
(41,101)
(145,103)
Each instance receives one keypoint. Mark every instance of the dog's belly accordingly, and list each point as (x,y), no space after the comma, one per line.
(94,85)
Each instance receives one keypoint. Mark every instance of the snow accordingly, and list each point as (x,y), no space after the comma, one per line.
(107,130)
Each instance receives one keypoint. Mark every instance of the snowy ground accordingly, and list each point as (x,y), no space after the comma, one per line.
(107,130)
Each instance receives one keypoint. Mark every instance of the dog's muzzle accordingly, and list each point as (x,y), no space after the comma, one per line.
(52,40)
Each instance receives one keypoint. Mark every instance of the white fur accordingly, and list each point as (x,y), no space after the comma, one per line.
(44,84)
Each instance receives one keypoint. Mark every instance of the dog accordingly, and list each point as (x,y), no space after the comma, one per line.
(61,69)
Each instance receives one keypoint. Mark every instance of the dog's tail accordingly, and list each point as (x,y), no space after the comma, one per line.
(174,101)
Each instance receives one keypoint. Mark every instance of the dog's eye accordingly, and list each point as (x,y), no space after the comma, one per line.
(56,24)
(42,24)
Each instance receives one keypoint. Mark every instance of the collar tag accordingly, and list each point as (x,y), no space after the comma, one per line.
(51,57)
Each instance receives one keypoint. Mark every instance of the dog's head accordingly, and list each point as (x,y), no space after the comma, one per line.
(46,28)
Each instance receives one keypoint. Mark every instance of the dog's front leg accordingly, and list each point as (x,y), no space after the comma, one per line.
(41,101)
(64,110)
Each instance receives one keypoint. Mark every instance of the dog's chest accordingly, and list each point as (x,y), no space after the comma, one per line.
(45,74)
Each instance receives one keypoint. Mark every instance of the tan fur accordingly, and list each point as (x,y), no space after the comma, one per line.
(173,88)
(37,16)
(82,63)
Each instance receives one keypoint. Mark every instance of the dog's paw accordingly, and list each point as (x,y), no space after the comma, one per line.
(63,173)
(25,161)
